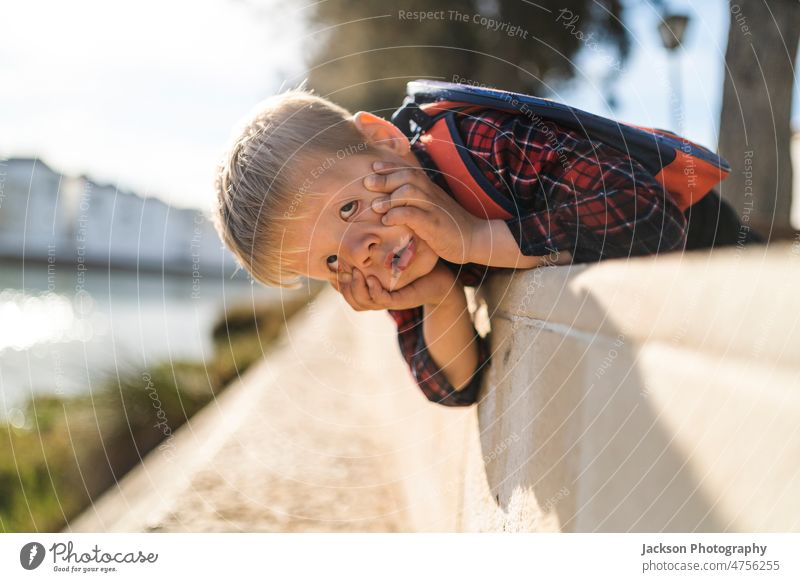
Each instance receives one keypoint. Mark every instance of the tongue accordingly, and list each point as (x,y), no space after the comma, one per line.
(405,258)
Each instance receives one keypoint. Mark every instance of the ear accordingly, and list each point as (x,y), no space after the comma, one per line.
(381,133)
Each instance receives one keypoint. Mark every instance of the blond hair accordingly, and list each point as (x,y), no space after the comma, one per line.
(257,182)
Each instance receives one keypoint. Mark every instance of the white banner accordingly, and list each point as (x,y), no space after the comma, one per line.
(400,557)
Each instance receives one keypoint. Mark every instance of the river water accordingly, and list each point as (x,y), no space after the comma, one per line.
(62,330)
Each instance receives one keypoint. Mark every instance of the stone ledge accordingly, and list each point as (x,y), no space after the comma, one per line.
(640,395)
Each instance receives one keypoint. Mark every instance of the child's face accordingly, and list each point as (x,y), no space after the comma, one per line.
(343,233)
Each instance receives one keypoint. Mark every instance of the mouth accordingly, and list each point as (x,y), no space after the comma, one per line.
(402,255)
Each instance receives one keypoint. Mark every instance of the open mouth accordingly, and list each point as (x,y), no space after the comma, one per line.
(399,260)
(403,256)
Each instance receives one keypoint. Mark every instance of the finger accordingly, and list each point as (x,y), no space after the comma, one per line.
(386,167)
(377,293)
(403,298)
(348,292)
(405,195)
(381,204)
(338,280)
(418,220)
(388,182)
(359,290)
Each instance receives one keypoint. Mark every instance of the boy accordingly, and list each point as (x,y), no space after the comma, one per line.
(308,189)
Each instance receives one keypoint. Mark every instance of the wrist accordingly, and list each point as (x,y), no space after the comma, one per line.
(452,297)
(492,244)
(480,243)
(495,246)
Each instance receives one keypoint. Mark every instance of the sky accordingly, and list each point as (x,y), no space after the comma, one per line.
(139,94)
(144,94)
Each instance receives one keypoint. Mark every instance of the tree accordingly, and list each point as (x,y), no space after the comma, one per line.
(367,50)
(755,133)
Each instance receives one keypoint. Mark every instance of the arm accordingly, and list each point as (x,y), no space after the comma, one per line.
(495,246)
(441,347)
(450,337)
(434,385)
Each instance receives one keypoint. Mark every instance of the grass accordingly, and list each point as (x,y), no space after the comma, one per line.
(73,448)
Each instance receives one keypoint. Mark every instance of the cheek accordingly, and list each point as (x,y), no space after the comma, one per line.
(425,261)
(423,264)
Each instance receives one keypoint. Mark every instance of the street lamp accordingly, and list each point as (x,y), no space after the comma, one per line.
(672,29)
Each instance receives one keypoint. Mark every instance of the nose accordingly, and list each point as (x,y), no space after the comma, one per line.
(361,246)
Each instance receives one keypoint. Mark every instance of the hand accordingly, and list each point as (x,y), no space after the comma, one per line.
(433,215)
(365,295)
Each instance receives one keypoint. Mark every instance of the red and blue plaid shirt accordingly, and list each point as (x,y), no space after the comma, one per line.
(572,194)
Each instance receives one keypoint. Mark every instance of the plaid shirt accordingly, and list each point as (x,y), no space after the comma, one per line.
(572,194)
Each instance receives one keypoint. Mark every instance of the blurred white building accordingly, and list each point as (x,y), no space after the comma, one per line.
(44,214)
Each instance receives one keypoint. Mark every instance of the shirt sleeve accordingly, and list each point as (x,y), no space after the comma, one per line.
(431,380)
(572,193)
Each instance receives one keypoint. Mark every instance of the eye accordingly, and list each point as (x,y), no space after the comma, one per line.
(348,210)
(331,260)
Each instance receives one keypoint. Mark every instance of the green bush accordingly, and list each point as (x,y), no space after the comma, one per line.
(71,449)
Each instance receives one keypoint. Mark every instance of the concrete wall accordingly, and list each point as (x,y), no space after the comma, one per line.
(642,395)
(656,394)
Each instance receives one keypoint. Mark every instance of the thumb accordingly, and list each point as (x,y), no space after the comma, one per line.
(425,289)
